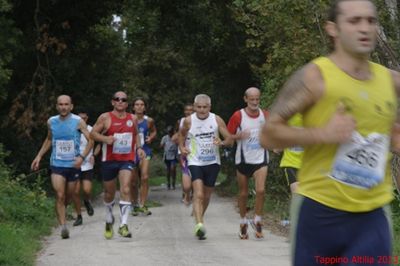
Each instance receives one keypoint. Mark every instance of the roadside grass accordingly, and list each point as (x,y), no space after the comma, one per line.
(19,243)
(26,214)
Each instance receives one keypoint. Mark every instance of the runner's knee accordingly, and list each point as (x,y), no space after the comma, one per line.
(260,191)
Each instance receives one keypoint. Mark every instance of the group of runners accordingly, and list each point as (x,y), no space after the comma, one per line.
(338,112)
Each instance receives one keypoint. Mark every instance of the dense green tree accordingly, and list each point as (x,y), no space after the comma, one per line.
(9,38)
(165,51)
(66,47)
(178,49)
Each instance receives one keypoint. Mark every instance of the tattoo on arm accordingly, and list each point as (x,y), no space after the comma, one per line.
(294,97)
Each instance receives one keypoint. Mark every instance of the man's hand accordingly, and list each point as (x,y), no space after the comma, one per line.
(395,138)
(217,141)
(78,162)
(35,163)
(110,140)
(243,134)
(277,151)
(91,160)
(184,151)
(148,140)
(339,128)
(141,153)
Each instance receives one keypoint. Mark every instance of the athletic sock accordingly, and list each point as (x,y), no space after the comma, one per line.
(257,218)
(109,211)
(243,220)
(125,210)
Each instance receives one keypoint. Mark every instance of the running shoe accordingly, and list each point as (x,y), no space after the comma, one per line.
(135,210)
(64,233)
(243,232)
(145,210)
(89,207)
(124,231)
(200,231)
(186,203)
(257,229)
(78,221)
(109,232)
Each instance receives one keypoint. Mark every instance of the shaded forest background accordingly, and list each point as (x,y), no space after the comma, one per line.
(165,51)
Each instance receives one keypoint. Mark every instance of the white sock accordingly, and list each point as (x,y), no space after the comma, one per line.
(124,211)
(257,218)
(109,211)
(243,220)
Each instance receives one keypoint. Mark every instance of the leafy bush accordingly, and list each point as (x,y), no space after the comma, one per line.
(157,166)
(25,215)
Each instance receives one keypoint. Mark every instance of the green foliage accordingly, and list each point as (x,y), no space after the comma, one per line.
(13,245)
(62,48)
(178,49)
(281,36)
(26,214)
(157,166)
(9,43)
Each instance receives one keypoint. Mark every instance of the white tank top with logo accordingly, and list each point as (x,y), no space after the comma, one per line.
(86,164)
(201,137)
(249,150)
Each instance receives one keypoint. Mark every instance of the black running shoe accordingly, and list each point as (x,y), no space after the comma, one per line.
(78,221)
(88,207)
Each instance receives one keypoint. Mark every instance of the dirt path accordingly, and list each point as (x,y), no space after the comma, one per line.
(165,238)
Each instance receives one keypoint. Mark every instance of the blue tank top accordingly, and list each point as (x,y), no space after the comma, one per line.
(65,140)
(144,131)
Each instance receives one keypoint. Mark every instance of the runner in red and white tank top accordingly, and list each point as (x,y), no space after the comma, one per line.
(251,159)
(117,130)
(124,132)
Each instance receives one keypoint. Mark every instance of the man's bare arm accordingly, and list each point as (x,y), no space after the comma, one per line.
(183,131)
(296,95)
(396,128)
(395,137)
(45,147)
(86,133)
(228,139)
(301,92)
(153,131)
(98,129)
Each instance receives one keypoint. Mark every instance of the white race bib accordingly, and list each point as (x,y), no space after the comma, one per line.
(207,152)
(253,143)
(65,150)
(362,161)
(123,143)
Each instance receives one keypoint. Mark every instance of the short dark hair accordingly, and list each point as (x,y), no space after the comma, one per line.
(139,99)
(113,96)
(334,10)
(81,110)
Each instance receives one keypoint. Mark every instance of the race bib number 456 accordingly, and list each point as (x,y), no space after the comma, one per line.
(361,162)
(123,143)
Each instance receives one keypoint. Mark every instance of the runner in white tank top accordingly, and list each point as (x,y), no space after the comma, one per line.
(186,179)
(251,159)
(202,128)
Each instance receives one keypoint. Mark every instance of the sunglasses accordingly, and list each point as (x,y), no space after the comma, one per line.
(118,99)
